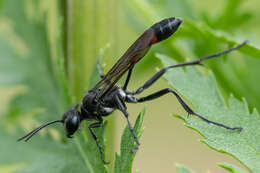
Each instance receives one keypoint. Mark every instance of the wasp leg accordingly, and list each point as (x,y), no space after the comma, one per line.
(122,108)
(184,105)
(127,79)
(189,63)
(95,125)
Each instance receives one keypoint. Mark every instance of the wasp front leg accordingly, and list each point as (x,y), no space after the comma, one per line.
(95,125)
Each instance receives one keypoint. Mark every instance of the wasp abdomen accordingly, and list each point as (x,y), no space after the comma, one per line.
(166,28)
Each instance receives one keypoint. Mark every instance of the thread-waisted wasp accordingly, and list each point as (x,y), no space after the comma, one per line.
(106,96)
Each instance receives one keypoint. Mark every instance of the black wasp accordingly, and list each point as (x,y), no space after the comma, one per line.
(106,96)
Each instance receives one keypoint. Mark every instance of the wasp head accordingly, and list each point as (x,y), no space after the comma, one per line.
(71,120)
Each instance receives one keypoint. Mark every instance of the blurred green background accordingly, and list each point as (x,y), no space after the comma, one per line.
(34,35)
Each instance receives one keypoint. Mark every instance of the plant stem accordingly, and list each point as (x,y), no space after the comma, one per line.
(89,26)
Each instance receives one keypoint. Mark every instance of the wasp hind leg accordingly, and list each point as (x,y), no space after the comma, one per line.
(122,108)
(184,105)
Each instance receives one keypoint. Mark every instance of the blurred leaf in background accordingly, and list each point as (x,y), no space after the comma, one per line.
(182,169)
(31,70)
(26,61)
(231,168)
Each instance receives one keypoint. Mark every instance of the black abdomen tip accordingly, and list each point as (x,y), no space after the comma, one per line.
(166,28)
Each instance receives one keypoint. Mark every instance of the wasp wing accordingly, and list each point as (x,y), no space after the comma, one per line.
(136,52)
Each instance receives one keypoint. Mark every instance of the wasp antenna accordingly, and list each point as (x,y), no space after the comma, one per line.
(32,133)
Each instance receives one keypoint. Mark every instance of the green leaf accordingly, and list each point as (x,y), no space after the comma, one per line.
(182,169)
(203,95)
(27,59)
(41,155)
(231,168)
(197,30)
(239,73)
(124,161)
(234,72)
(231,17)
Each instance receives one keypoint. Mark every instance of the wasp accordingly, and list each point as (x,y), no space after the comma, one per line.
(106,97)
